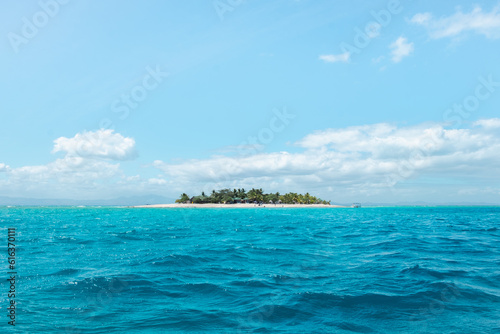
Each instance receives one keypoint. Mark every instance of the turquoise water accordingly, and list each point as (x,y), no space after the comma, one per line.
(368,270)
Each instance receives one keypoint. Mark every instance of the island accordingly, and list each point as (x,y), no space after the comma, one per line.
(239,198)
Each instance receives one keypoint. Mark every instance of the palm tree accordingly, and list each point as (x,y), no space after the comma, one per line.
(307,198)
(183,198)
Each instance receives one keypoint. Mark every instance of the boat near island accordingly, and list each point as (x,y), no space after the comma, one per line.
(355,205)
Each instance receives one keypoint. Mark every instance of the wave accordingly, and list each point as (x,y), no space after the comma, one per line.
(420,271)
(177,260)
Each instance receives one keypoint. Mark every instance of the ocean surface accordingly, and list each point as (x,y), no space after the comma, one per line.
(366,270)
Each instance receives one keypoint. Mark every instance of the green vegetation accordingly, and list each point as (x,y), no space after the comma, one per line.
(228,196)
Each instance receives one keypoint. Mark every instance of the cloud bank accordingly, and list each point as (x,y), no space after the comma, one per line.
(85,169)
(371,157)
(358,162)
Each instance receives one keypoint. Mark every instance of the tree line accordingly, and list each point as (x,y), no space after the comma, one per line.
(228,196)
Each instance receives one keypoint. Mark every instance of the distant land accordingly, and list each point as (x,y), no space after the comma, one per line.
(155,199)
(120,201)
(241,196)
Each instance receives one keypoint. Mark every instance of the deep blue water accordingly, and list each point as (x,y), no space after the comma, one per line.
(368,270)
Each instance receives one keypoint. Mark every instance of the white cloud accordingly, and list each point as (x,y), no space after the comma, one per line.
(421,18)
(84,170)
(362,159)
(102,144)
(492,123)
(343,57)
(69,170)
(477,21)
(3,167)
(400,49)
(157,181)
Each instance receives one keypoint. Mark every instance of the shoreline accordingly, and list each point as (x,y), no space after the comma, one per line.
(237,206)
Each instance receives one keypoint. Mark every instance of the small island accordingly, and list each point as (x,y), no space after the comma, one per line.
(239,198)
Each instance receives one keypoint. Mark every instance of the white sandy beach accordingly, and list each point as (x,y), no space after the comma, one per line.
(238,206)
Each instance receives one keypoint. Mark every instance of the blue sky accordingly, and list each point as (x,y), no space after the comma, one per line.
(380,101)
